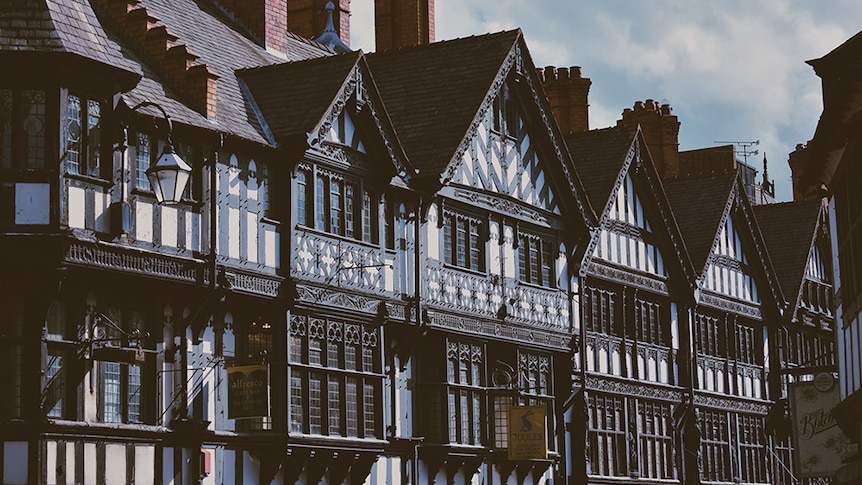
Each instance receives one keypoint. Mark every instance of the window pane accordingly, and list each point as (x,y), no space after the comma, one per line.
(94,137)
(142,162)
(461,243)
(301,198)
(534,261)
(334,406)
(547,265)
(336,208)
(475,248)
(314,403)
(134,398)
(448,249)
(111,394)
(54,384)
(369,397)
(320,204)
(33,125)
(349,201)
(296,379)
(73,134)
(367,218)
(351,396)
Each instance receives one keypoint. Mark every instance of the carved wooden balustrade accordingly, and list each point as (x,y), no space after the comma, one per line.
(336,262)
(485,295)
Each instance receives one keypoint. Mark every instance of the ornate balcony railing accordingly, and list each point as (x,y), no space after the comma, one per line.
(336,262)
(486,295)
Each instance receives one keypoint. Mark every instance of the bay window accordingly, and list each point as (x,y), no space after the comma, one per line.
(335,378)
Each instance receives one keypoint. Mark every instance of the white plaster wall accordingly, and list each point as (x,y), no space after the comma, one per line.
(145,464)
(89,463)
(15,462)
(115,464)
(143,221)
(77,207)
(32,203)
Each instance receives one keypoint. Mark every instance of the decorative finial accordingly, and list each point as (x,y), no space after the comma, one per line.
(330,37)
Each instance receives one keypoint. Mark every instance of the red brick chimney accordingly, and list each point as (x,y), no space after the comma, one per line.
(661,132)
(266,19)
(308,18)
(568,95)
(403,23)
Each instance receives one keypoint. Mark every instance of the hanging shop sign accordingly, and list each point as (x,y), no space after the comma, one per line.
(819,444)
(528,435)
(247,391)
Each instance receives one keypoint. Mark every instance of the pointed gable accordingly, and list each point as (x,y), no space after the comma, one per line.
(502,156)
(719,229)
(636,224)
(699,206)
(433,92)
(294,97)
(599,156)
(323,100)
(790,231)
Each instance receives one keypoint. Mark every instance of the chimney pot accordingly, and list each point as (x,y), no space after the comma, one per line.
(639,105)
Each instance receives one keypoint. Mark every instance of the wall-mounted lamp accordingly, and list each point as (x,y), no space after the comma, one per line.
(170,174)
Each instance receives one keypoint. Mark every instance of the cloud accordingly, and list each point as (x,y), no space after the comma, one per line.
(732,70)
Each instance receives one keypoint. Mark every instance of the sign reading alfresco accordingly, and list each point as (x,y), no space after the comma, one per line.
(247,391)
(528,436)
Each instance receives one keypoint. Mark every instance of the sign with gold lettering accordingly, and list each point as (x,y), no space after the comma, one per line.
(818,442)
(247,391)
(528,436)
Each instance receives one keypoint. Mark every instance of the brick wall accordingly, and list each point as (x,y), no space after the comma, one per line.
(568,94)
(403,23)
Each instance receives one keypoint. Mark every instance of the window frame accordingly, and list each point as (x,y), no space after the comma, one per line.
(342,212)
(84,166)
(17,136)
(463,246)
(346,366)
(535,257)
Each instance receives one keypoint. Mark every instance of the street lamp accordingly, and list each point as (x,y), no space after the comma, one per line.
(170,174)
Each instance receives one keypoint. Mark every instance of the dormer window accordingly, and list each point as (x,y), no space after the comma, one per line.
(83,136)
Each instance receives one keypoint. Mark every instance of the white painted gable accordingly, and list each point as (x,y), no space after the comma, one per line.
(727,270)
(626,236)
(503,159)
(344,132)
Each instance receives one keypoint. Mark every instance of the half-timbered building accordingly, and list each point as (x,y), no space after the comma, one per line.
(400,242)
(797,237)
(828,168)
(635,298)
(737,305)
(501,225)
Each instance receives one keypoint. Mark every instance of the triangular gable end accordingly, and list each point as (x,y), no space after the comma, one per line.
(343,132)
(727,269)
(626,236)
(340,133)
(502,157)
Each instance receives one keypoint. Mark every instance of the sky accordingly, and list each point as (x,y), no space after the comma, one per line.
(732,70)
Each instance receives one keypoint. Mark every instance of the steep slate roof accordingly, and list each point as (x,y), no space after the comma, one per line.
(59,26)
(432,92)
(224,50)
(789,230)
(599,156)
(698,205)
(293,97)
